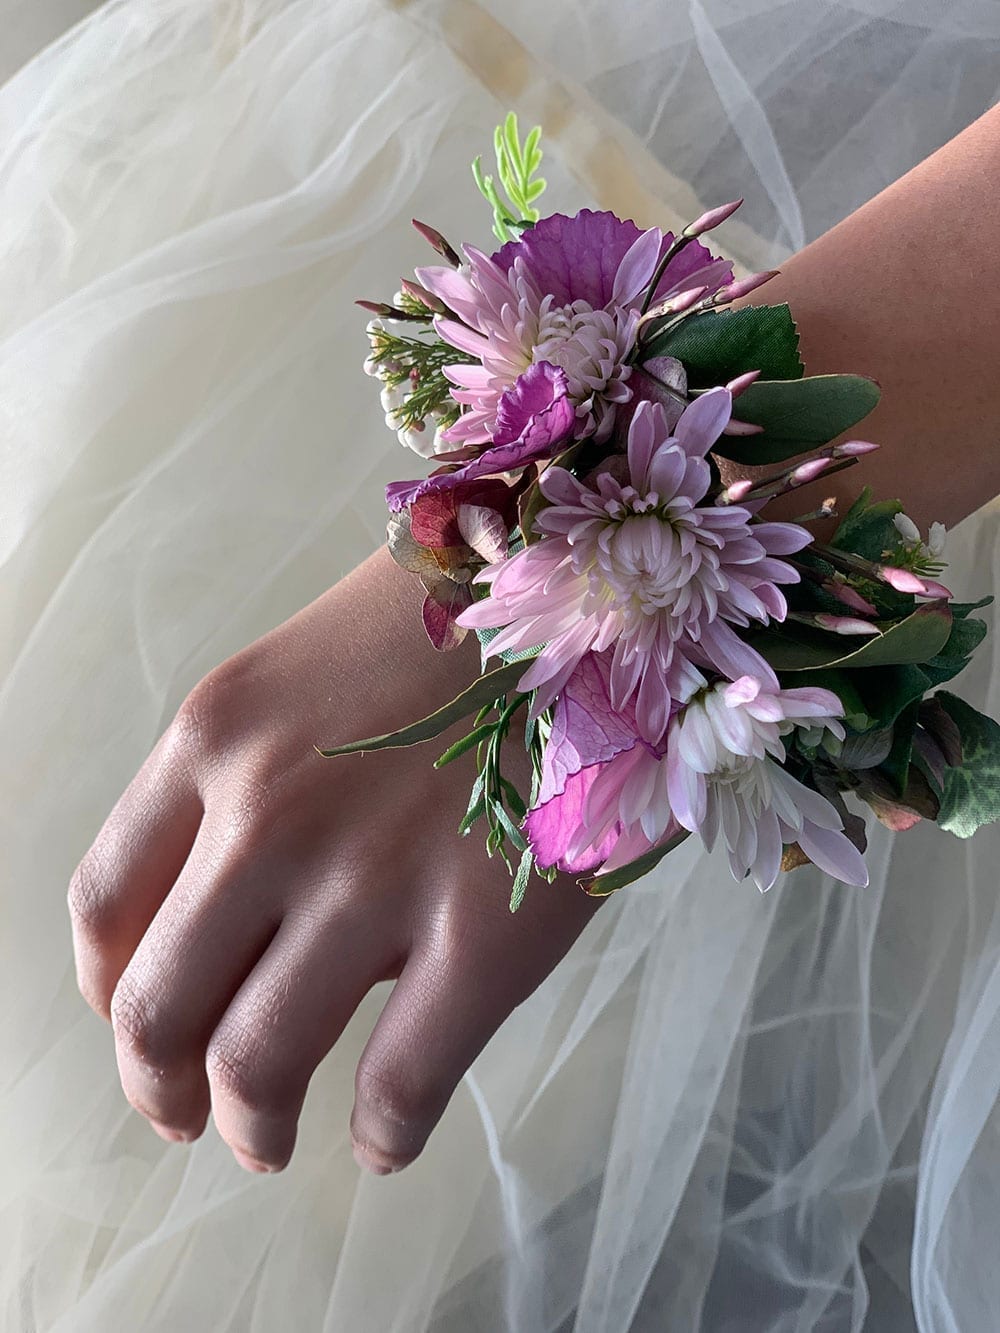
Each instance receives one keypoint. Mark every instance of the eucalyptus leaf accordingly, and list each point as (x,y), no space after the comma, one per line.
(917,638)
(718,345)
(797,416)
(600,886)
(971,795)
(485,689)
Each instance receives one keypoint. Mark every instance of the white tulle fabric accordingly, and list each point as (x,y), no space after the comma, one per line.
(723,1110)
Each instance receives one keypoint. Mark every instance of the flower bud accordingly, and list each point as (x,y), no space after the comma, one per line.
(742,382)
(736,427)
(738,491)
(421,294)
(936,539)
(744,286)
(935,589)
(845,624)
(809,471)
(437,242)
(906,528)
(903,580)
(849,596)
(713,218)
(853,449)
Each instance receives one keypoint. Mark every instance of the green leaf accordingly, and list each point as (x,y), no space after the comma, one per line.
(509,827)
(475,811)
(521,879)
(897,763)
(966,636)
(485,689)
(797,415)
(915,639)
(972,790)
(480,733)
(867,529)
(720,344)
(601,885)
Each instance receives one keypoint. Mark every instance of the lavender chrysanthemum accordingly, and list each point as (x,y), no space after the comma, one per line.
(639,565)
(567,293)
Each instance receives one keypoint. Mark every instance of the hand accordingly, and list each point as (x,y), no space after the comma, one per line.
(245,893)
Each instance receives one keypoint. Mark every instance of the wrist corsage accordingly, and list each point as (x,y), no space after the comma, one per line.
(674,661)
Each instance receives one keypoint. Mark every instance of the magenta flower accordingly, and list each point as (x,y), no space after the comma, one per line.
(532,417)
(637,564)
(567,293)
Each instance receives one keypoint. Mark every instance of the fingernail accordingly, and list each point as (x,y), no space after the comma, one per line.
(165,1132)
(370,1163)
(252,1164)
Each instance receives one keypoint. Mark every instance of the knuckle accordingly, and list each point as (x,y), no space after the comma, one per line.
(402,1105)
(139,1026)
(87,897)
(235,1072)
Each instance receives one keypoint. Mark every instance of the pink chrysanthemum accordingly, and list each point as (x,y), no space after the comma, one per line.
(568,294)
(639,565)
(718,772)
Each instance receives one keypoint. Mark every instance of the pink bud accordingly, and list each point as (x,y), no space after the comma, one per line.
(735,427)
(744,286)
(437,242)
(738,491)
(901,579)
(809,470)
(853,449)
(713,218)
(376,307)
(935,589)
(683,300)
(850,597)
(741,382)
(422,295)
(845,624)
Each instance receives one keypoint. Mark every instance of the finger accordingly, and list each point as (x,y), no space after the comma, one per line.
(284,1020)
(448,1002)
(129,869)
(199,948)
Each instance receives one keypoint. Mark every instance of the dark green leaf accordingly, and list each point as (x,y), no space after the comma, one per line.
(720,344)
(866,749)
(961,609)
(601,885)
(966,635)
(919,637)
(484,689)
(867,529)
(466,743)
(797,416)
(972,790)
(897,764)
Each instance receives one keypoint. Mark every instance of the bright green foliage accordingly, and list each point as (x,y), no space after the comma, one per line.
(516,167)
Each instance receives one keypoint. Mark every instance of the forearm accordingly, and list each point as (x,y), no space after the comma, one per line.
(907,289)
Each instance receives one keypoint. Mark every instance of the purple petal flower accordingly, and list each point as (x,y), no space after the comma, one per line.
(534,417)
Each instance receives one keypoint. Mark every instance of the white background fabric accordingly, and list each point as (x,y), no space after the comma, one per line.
(722,1111)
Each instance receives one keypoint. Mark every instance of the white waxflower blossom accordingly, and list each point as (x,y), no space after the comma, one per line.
(936,539)
(906,528)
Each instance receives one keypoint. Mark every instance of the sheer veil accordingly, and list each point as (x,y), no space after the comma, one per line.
(722,1110)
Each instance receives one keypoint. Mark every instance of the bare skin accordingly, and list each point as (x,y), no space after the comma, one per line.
(244,894)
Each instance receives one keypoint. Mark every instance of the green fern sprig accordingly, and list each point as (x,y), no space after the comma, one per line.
(516,167)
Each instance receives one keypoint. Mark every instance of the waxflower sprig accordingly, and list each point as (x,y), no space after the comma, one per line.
(674,661)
